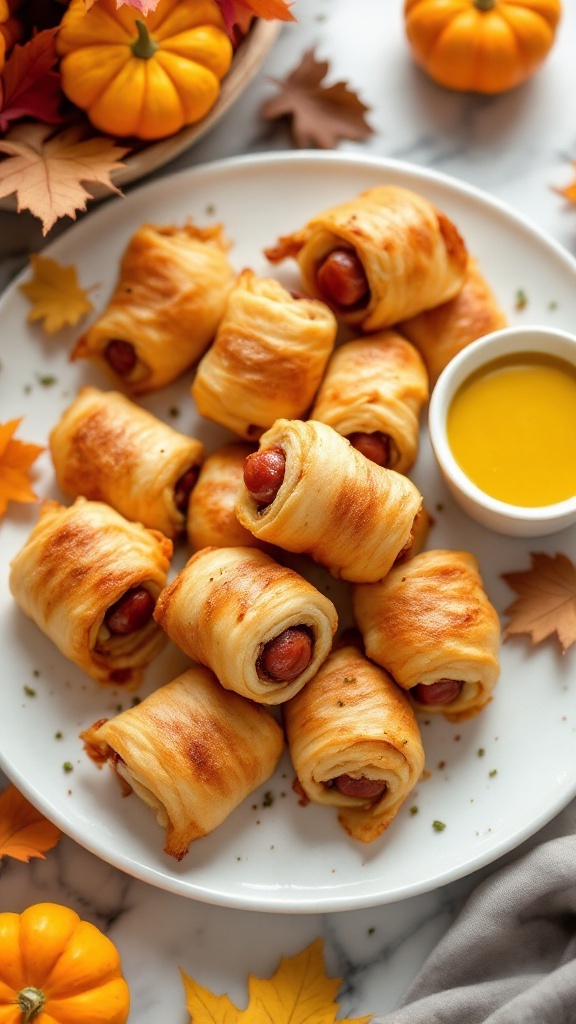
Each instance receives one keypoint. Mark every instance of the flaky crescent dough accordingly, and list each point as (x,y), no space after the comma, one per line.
(347,513)
(352,719)
(412,255)
(431,619)
(75,565)
(167,304)
(227,603)
(376,384)
(267,359)
(440,333)
(191,751)
(212,520)
(107,448)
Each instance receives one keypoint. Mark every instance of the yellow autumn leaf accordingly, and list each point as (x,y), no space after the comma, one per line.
(55,294)
(16,458)
(46,170)
(300,992)
(24,831)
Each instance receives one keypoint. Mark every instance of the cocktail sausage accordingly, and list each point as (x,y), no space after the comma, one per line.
(264,473)
(341,280)
(286,656)
(131,612)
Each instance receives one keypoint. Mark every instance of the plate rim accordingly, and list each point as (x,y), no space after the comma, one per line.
(254,900)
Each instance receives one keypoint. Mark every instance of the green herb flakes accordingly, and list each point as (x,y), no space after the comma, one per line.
(521,299)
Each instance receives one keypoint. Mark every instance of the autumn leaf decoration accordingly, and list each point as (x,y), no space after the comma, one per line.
(235,12)
(16,458)
(44,167)
(569,191)
(238,14)
(320,115)
(24,832)
(56,296)
(30,86)
(299,993)
(547,600)
(46,170)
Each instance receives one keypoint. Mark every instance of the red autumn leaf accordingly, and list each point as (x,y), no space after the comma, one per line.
(31,86)
(239,13)
(24,832)
(320,115)
(547,600)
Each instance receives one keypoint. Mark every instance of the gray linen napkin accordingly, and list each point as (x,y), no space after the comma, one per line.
(510,956)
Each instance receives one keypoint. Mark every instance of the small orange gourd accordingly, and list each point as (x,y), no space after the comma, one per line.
(58,969)
(143,77)
(10,28)
(485,46)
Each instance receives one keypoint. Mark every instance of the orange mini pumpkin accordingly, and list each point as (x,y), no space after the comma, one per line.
(11,31)
(57,969)
(143,77)
(485,46)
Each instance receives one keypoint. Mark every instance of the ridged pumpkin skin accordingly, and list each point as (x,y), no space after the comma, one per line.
(484,46)
(10,28)
(152,96)
(70,962)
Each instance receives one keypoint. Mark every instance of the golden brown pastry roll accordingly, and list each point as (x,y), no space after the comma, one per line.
(431,625)
(107,448)
(440,333)
(90,580)
(267,359)
(164,312)
(373,392)
(212,518)
(191,752)
(261,627)
(309,491)
(379,258)
(354,742)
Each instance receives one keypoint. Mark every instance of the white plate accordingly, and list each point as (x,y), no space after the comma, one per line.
(285,857)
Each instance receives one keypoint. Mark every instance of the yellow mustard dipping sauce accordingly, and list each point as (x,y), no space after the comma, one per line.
(512,429)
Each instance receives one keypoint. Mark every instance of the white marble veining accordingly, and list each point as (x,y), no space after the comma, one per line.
(518,147)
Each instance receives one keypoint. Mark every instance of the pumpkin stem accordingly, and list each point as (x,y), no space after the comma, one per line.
(485,5)
(144,47)
(30,1000)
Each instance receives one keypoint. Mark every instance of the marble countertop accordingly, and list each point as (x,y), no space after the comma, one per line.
(519,148)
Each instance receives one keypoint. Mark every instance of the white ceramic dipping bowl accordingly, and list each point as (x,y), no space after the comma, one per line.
(500,516)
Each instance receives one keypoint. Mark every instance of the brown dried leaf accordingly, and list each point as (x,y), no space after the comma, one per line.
(546,602)
(320,115)
(46,170)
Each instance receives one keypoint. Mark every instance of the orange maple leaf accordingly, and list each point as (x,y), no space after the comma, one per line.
(24,832)
(46,170)
(546,602)
(16,458)
(569,192)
